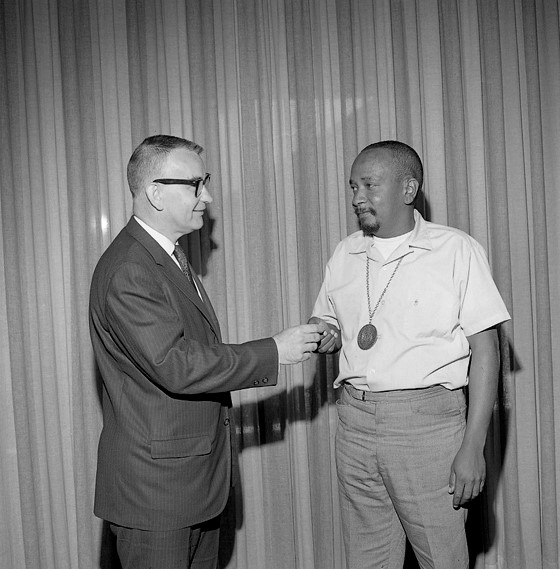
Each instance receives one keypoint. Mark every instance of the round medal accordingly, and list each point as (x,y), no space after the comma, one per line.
(367,336)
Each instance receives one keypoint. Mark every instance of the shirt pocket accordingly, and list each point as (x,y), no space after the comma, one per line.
(180,447)
(430,311)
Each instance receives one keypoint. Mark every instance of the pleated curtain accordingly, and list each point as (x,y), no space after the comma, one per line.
(282,94)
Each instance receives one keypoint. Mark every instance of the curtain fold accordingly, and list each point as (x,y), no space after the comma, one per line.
(282,95)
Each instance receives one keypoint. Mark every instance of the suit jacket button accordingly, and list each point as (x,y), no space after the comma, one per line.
(265,380)
(256,382)
(226,422)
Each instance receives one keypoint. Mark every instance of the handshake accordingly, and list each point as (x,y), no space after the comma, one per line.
(297,343)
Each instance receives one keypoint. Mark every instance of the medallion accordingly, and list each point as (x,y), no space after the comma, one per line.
(367,336)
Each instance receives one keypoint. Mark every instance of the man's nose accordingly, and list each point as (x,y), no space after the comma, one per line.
(205,195)
(359,197)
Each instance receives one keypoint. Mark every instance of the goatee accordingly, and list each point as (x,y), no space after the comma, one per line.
(369,228)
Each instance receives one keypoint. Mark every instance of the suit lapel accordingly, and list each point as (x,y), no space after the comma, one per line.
(174,273)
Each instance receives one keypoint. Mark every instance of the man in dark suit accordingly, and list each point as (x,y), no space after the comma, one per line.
(164,462)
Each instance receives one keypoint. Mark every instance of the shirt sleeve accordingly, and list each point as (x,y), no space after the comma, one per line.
(481,306)
(324,307)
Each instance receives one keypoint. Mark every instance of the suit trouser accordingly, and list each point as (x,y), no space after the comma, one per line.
(394,451)
(193,547)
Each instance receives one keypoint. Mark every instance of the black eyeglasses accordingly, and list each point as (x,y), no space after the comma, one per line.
(196,183)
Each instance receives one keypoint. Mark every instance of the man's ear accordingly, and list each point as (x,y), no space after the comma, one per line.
(410,190)
(154,196)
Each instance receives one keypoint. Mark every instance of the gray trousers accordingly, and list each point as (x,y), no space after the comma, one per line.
(187,548)
(394,451)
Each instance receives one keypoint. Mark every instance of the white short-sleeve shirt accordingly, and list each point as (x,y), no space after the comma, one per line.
(441,293)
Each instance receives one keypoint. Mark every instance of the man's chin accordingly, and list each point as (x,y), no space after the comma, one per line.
(369,229)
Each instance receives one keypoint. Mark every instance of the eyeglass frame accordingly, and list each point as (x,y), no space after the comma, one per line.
(197,183)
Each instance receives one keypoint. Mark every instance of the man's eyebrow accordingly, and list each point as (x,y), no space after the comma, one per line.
(364,179)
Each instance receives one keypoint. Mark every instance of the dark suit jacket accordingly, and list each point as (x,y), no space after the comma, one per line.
(164,458)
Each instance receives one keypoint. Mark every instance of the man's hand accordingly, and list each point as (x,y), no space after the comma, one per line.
(296,344)
(330,340)
(468,474)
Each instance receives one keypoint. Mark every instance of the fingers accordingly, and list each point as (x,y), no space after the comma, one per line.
(459,496)
(311,339)
(481,486)
(475,490)
(457,488)
(296,344)
(329,335)
(328,341)
(312,334)
(464,492)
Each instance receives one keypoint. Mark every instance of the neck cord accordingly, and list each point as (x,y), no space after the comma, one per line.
(370,312)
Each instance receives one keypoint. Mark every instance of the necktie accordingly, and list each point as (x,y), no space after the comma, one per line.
(183,262)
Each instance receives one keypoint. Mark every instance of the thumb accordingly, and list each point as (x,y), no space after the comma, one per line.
(451,482)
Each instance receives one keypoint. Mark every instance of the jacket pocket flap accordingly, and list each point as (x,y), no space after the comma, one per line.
(180,447)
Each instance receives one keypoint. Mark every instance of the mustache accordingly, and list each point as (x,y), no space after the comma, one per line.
(363,209)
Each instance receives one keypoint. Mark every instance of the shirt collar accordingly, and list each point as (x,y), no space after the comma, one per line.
(420,237)
(167,245)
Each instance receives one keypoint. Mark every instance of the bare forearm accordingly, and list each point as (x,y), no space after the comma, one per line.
(483,385)
(468,471)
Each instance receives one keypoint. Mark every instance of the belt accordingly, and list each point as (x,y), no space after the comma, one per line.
(363,395)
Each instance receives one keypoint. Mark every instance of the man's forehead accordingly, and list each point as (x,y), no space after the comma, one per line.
(368,165)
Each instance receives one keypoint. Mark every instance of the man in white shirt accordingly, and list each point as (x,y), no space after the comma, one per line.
(413,308)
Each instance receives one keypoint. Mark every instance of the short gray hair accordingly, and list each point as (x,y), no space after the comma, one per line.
(150,155)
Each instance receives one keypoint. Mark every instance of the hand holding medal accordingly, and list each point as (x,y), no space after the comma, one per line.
(330,342)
